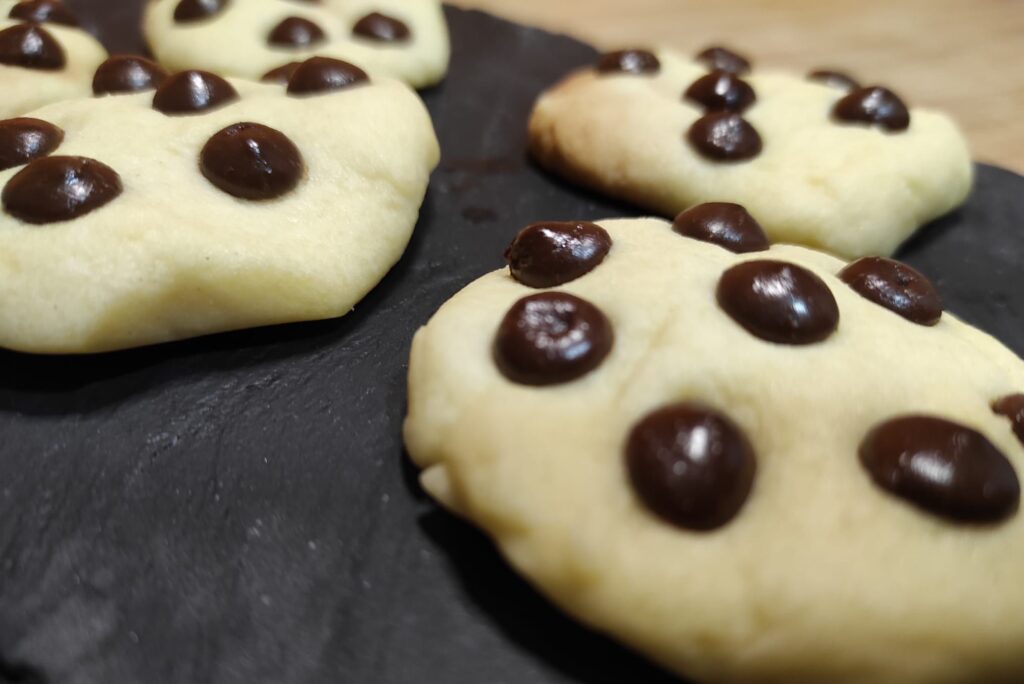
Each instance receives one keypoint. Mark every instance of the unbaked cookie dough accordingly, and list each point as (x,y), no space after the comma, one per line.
(205,205)
(822,161)
(754,464)
(406,39)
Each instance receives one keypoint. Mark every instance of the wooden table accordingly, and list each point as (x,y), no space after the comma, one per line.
(963,56)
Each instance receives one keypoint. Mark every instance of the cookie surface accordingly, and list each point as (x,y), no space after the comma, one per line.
(818,557)
(852,172)
(406,39)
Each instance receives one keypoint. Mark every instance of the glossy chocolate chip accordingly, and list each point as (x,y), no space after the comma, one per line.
(324,74)
(551,338)
(721,91)
(251,161)
(895,286)
(191,92)
(296,32)
(691,466)
(555,253)
(873,105)
(127,74)
(32,47)
(42,11)
(281,74)
(196,10)
(24,139)
(946,469)
(55,189)
(1012,406)
(723,59)
(629,62)
(778,302)
(724,136)
(834,79)
(382,28)
(724,224)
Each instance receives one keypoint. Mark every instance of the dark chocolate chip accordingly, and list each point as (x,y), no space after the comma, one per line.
(32,47)
(197,10)
(724,59)
(1012,406)
(895,286)
(946,469)
(382,28)
(873,105)
(629,62)
(555,253)
(251,161)
(23,139)
(55,189)
(779,302)
(42,11)
(324,74)
(725,136)
(127,74)
(281,74)
(724,224)
(551,338)
(721,91)
(190,92)
(834,79)
(691,466)
(296,32)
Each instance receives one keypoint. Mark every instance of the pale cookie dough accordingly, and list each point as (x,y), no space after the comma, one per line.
(406,39)
(850,187)
(736,508)
(206,206)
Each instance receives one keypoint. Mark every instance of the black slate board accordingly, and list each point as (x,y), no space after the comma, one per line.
(238,509)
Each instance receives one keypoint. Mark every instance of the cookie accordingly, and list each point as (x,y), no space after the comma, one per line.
(44,56)
(406,39)
(821,161)
(206,205)
(754,464)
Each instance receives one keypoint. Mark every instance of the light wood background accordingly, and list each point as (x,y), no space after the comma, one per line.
(963,56)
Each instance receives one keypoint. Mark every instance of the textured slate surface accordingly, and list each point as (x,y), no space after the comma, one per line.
(239,509)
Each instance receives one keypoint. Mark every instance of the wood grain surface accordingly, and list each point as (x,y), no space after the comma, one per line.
(963,56)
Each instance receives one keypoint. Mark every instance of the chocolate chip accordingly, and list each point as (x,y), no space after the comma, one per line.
(281,74)
(41,11)
(551,338)
(197,10)
(382,28)
(834,79)
(873,105)
(721,91)
(251,161)
(24,139)
(629,62)
(724,59)
(127,74)
(895,286)
(32,47)
(190,92)
(691,466)
(725,136)
(1012,406)
(555,253)
(55,189)
(724,224)
(323,74)
(296,32)
(944,468)
(778,302)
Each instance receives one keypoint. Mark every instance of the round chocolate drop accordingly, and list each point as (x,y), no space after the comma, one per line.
(873,105)
(127,74)
(555,253)
(721,91)
(32,47)
(42,11)
(296,32)
(252,161)
(691,466)
(196,10)
(779,302)
(895,286)
(1012,406)
(725,224)
(192,92)
(724,136)
(834,79)
(382,29)
(24,139)
(723,59)
(551,338)
(629,62)
(324,74)
(281,74)
(55,189)
(941,467)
